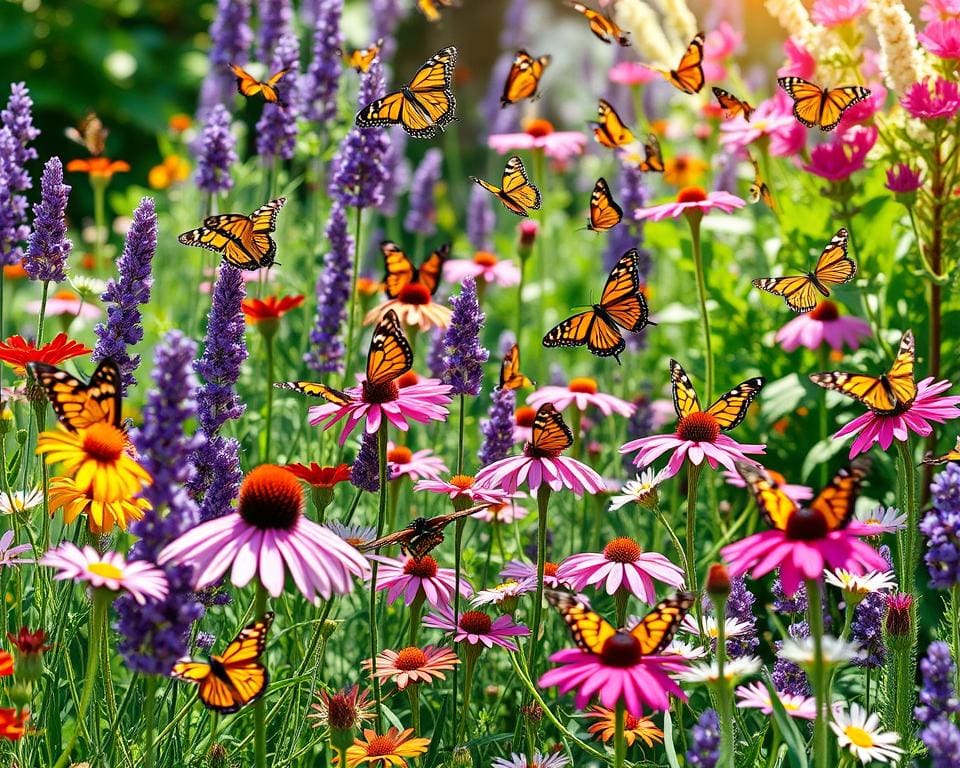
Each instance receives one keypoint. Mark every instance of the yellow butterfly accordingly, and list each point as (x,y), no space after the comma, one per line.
(361,58)
(688,76)
(515,192)
(604,211)
(602,26)
(732,106)
(814,106)
(401,272)
(611,131)
(79,405)
(431,8)
(510,375)
(244,241)
(249,86)
(728,410)
(523,79)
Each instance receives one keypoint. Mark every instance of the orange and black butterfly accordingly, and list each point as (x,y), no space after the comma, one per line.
(688,76)
(244,241)
(602,26)
(234,678)
(400,271)
(510,375)
(817,107)
(420,535)
(732,106)
(604,211)
(953,455)
(249,86)
(523,79)
(621,304)
(591,632)
(890,392)
(834,267)
(515,192)
(79,405)
(835,502)
(610,130)
(758,188)
(728,410)
(431,8)
(652,156)
(90,133)
(549,435)
(361,58)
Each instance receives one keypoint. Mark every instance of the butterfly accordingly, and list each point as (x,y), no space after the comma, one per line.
(833,267)
(244,241)
(549,435)
(728,410)
(401,272)
(652,156)
(249,86)
(891,392)
(953,455)
(835,502)
(515,192)
(602,25)
(604,211)
(234,678)
(523,79)
(759,189)
(621,304)
(422,107)
(431,8)
(510,375)
(688,76)
(90,133)
(420,535)
(732,106)
(591,632)
(361,58)
(814,106)
(611,131)
(79,405)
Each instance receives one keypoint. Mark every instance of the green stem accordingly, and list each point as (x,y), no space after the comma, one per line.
(619,740)
(413,692)
(467,686)
(724,696)
(543,499)
(268,340)
(352,313)
(99,220)
(460,438)
(821,689)
(690,562)
(416,609)
(260,707)
(381,517)
(149,721)
(694,218)
(907,479)
(823,417)
(43,312)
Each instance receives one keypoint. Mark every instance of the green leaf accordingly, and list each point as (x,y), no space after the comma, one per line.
(668,740)
(821,453)
(797,748)
(781,397)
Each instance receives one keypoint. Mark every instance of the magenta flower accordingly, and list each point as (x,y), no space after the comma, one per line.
(464,487)
(416,465)
(943,102)
(797,493)
(772,119)
(140,579)
(691,199)
(833,13)
(902,179)
(840,158)
(477,628)
(934,10)
(720,44)
(582,392)
(942,38)
(526,573)
(623,565)
(483,266)
(800,62)
(422,578)
(823,324)
(632,73)
(540,134)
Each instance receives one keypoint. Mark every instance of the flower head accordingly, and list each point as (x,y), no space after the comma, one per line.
(476,628)
(733,671)
(422,214)
(857,586)
(140,579)
(218,152)
(902,179)
(839,159)
(526,573)
(13,723)
(342,710)
(100,169)
(413,665)
(552,760)
(321,82)
(17,352)
(11,555)
(20,502)
(691,201)
(757,696)
(540,134)
(388,749)
(623,565)
(773,119)
(704,751)
(634,728)
(503,594)
(415,307)
(464,357)
(332,291)
(582,393)
(940,103)
(463,488)
(483,266)
(481,221)
(802,651)
(320,477)
(276,129)
(642,491)
(46,257)
(861,735)
(833,13)
(632,73)
(102,516)
(498,427)
(823,325)
(942,38)
(421,578)
(941,529)
(270,309)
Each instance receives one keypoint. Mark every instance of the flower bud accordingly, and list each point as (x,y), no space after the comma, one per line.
(718,581)
(329,627)
(22,436)
(528,236)
(19,694)
(217,756)
(6,421)
(899,621)
(461,758)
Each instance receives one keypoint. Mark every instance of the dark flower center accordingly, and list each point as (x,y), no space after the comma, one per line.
(271,498)
(380,393)
(807,525)
(531,451)
(410,658)
(476,623)
(825,311)
(414,293)
(424,568)
(524,416)
(692,195)
(700,427)
(622,550)
(341,713)
(621,650)
(103,442)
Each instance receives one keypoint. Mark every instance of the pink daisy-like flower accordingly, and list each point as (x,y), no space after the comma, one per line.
(797,493)
(941,103)
(583,393)
(883,428)
(623,565)
(934,10)
(67,303)
(484,266)
(11,555)
(526,573)
(463,487)
(415,307)
(773,119)
(416,465)
(632,73)
(523,418)
(823,324)
(800,62)
(266,537)
(142,580)
(412,578)
(540,134)
(902,179)
(757,696)
(502,514)
(689,200)
(414,665)
(839,159)
(942,38)
(477,628)
(833,13)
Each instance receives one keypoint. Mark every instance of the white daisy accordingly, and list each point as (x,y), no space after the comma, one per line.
(861,586)
(835,651)
(732,627)
(883,519)
(860,734)
(733,671)
(498,594)
(18,501)
(642,491)
(685,649)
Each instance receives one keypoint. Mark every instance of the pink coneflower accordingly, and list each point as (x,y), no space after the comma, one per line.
(524,573)
(418,578)
(757,696)
(415,307)
(540,134)
(797,493)
(523,418)
(902,179)
(839,159)
(691,199)
(823,324)
(772,119)
(413,665)
(941,103)
(483,266)
(583,393)
(942,38)
(883,428)
(934,10)
(833,13)
(267,536)
(140,579)
(882,520)
(477,628)
(463,487)
(354,534)
(416,465)
(539,760)
(632,73)
(623,565)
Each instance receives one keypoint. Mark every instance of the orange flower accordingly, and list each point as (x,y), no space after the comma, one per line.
(390,749)
(17,352)
(101,168)
(173,169)
(14,271)
(320,477)
(367,286)
(13,724)
(634,727)
(180,122)
(270,308)
(6,664)
(684,170)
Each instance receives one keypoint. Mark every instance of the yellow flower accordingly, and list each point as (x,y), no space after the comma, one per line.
(173,169)
(684,170)
(390,749)
(101,516)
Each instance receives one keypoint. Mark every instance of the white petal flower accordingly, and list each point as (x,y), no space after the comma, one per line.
(861,735)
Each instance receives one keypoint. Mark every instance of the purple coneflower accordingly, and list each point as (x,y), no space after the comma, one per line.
(582,393)
(417,465)
(623,565)
(476,628)
(49,247)
(463,488)
(423,579)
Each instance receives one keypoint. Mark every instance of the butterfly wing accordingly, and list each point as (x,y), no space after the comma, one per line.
(523,79)
(797,290)
(688,76)
(247,84)
(575,331)
(390,354)
(315,389)
(652,156)
(604,211)
(685,400)
(900,376)
(269,87)
(658,627)
(835,267)
(602,26)
(431,8)
(622,299)
(807,99)
(79,405)
(90,133)
(518,194)
(611,131)
(401,537)
(836,101)
(549,432)
(774,505)
(731,105)
(399,269)
(262,248)
(759,189)
(730,409)
(836,502)
(953,455)
(510,375)
(432,269)
(387,110)
(589,629)
(605,339)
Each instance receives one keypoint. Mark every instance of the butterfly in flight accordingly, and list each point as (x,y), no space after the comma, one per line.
(890,392)
(249,86)
(90,133)
(79,405)
(688,76)
(817,107)
(833,267)
(422,107)
(732,106)
(401,272)
(602,26)
(431,8)
(604,212)
(361,58)
(758,188)
(652,156)
(510,375)
(953,455)
(244,241)
(515,192)
(523,79)
(728,410)
(610,131)
(621,304)
(234,678)
(420,535)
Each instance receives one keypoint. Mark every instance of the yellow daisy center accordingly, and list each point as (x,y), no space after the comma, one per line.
(859,737)
(106,570)
(103,442)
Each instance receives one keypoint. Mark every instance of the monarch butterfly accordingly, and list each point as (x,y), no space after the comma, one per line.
(515,192)
(611,131)
(549,435)
(79,405)
(602,26)
(510,375)
(431,8)
(688,76)
(244,241)
(732,106)
(523,79)
(833,267)
(953,455)
(621,304)
(814,106)
(420,535)
(728,410)
(591,632)
(652,156)
(234,678)
(361,58)
(604,211)
(422,107)
(401,272)
(758,188)
(90,133)
(249,86)
(835,502)
(891,392)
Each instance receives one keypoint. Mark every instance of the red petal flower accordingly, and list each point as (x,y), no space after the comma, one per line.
(18,352)
(320,477)
(270,308)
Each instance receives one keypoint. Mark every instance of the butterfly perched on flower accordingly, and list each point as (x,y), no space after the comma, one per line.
(890,392)
(621,304)
(610,131)
(758,188)
(361,58)
(652,156)
(817,107)
(515,192)
(523,79)
(510,375)
(234,678)
(249,86)
(420,535)
(952,455)
(591,632)
(89,133)
(604,211)
(244,241)
(422,107)
(431,8)
(549,435)
(79,405)
(688,76)
(834,267)
(732,106)
(728,410)
(400,271)
(602,26)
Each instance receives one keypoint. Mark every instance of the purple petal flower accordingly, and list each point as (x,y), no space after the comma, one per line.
(333,292)
(497,428)
(218,152)
(277,126)
(740,607)
(422,216)
(937,698)
(13,206)
(386,15)
(231,39)
(481,220)
(46,257)
(365,473)
(942,739)
(941,528)
(276,20)
(901,178)
(464,357)
(396,174)
(866,629)
(18,119)
(320,84)
(704,749)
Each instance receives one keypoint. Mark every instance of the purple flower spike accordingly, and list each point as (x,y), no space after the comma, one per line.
(277,126)
(464,357)
(13,206)
(497,428)
(231,39)
(333,292)
(704,749)
(218,152)
(319,86)
(422,216)
(276,20)
(46,257)
(18,119)
(481,220)
(386,15)
(365,473)
(941,528)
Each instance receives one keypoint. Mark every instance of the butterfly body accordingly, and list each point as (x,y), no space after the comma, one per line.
(602,26)
(244,241)
(823,108)
(953,455)
(728,410)
(732,106)
(421,535)
(90,133)
(604,212)
(248,85)
(759,189)
(523,79)
(515,192)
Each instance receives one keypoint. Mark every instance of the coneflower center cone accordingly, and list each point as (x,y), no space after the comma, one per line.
(807,525)
(621,650)
(622,550)
(410,658)
(700,427)
(476,622)
(271,498)
(424,568)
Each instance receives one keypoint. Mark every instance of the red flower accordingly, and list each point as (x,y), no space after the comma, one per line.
(98,167)
(13,724)
(18,352)
(320,477)
(271,308)
(6,664)
(30,643)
